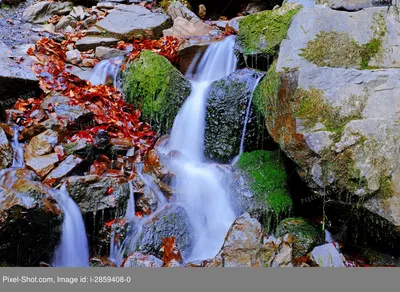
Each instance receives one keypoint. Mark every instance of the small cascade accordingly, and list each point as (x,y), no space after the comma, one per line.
(130,210)
(246,119)
(106,72)
(148,180)
(72,250)
(203,191)
(18,159)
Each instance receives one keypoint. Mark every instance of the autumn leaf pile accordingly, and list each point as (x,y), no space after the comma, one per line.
(104,103)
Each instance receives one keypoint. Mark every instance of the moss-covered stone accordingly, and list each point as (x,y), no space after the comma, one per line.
(264,31)
(157,88)
(268,176)
(338,49)
(305,235)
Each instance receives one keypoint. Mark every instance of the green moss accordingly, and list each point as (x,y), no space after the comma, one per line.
(157,88)
(265,96)
(305,235)
(263,32)
(338,49)
(268,179)
(386,187)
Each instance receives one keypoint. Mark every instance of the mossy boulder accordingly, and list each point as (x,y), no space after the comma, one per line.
(304,234)
(263,32)
(260,186)
(153,85)
(227,106)
(337,123)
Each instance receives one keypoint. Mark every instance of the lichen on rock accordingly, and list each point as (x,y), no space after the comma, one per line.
(153,85)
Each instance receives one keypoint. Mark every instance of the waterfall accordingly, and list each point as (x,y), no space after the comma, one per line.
(72,250)
(202,191)
(18,159)
(106,71)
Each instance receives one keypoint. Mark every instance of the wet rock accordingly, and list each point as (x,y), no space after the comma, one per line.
(277,252)
(177,9)
(6,151)
(131,22)
(62,170)
(259,187)
(65,112)
(254,7)
(327,256)
(242,244)
(184,28)
(227,105)
(41,144)
(41,12)
(87,62)
(138,260)
(104,53)
(171,221)
(93,193)
(30,220)
(147,203)
(89,43)
(42,165)
(78,13)
(305,236)
(158,88)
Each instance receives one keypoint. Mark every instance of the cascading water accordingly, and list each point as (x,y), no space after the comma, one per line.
(18,159)
(202,191)
(106,71)
(72,250)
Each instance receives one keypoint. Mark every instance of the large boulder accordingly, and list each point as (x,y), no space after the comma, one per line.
(129,22)
(350,5)
(6,151)
(227,110)
(30,219)
(259,188)
(262,33)
(340,125)
(92,193)
(171,221)
(152,84)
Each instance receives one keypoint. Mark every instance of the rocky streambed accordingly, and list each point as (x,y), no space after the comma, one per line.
(296,130)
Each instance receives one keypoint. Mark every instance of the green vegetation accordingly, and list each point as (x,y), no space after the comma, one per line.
(312,108)
(265,96)
(305,235)
(268,179)
(338,49)
(263,32)
(155,87)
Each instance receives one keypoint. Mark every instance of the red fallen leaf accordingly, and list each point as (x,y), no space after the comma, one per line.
(98,168)
(10,21)
(170,250)
(110,190)
(139,214)
(109,223)
(59,150)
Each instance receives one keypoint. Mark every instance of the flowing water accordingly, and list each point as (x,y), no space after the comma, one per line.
(72,250)
(106,72)
(202,191)
(18,159)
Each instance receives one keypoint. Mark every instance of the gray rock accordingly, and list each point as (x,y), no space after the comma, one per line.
(73,56)
(350,5)
(171,221)
(327,256)
(177,9)
(186,28)
(16,78)
(41,12)
(88,43)
(104,53)
(65,21)
(90,192)
(63,169)
(131,22)
(78,12)
(227,105)
(138,260)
